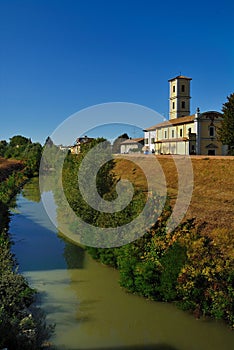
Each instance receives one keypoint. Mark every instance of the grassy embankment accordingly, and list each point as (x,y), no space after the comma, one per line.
(213,190)
(201,280)
(192,265)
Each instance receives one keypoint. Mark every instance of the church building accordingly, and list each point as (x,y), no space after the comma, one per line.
(184,133)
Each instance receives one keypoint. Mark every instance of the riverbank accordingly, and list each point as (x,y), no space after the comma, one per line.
(83,298)
(194,264)
(20,321)
(8,166)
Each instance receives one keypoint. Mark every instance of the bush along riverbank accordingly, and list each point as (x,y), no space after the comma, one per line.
(188,266)
(22,323)
(185,267)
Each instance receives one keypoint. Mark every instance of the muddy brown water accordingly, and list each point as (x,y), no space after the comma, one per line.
(83,298)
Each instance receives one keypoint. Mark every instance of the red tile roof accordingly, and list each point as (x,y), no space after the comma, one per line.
(139,139)
(177,121)
(180,77)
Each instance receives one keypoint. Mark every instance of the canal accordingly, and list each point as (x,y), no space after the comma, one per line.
(83,298)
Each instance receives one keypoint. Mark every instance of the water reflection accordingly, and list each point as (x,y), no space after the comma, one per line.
(36,247)
(85,301)
(31,190)
(74,256)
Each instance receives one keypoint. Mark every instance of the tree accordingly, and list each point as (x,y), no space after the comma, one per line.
(17,146)
(117,142)
(3,147)
(32,155)
(226,131)
(19,140)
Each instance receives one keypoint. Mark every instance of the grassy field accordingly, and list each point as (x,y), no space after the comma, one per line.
(213,185)
(7,166)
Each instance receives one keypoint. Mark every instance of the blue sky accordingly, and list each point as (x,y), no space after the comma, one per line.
(60,56)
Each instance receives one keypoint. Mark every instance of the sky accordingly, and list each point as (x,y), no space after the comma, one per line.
(58,57)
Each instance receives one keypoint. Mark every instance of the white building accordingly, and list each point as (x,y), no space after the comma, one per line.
(132,145)
(184,133)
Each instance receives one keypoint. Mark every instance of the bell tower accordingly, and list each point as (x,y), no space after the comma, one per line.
(179,101)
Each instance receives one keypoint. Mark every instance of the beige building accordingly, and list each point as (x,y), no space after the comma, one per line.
(132,145)
(76,149)
(184,133)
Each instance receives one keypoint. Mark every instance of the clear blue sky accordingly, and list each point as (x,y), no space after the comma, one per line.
(60,56)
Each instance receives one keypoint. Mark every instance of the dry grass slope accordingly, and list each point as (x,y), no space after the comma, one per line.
(213,193)
(7,166)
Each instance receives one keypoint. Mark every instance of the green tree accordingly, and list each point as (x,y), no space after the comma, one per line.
(17,146)
(32,154)
(3,148)
(226,131)
(19,140)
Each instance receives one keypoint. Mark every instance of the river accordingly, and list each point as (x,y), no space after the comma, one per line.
(83,298)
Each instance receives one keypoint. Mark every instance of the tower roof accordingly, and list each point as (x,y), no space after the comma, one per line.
(180,77)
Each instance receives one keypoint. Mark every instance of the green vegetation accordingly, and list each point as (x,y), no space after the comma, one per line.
(11,185)
(226,132)
(105,184)
(16,174)
(24,149)
(22,324)
(190,266)
(185,266)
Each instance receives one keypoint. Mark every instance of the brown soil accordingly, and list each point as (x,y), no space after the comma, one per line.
(213,185)
(7,166)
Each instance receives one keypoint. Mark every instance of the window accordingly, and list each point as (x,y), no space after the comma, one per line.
(173,89)
(146,141)
(212,131)
(173,105)
(183,104)
(173,133)
(152,140)
(211,152)
(182,88)
(181,132)
(165,134)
